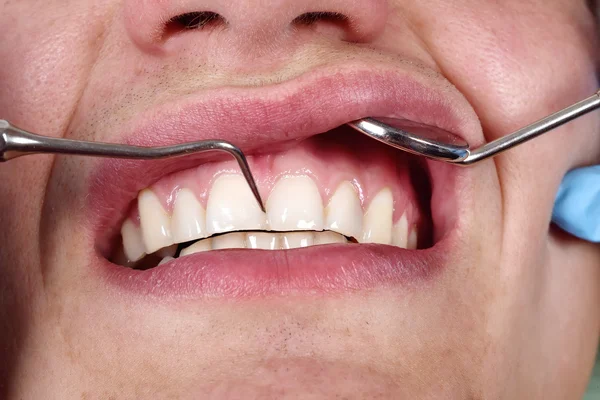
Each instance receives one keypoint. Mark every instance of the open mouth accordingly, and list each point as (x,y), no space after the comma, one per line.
(342,210)
(339,187)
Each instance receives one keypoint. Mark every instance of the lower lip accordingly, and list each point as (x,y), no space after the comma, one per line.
(259,273)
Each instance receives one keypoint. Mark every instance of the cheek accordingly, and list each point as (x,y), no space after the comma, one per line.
(45,60)
(505,58)
(514,70)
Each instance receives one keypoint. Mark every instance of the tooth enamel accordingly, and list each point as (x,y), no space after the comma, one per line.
(236,240)
(155,222)
(294,240)
(344,211)
(400,233)
(412,239)
(262,240)
(295,204)
(377,223)
(189,220)
(328,237)
(133,244)
(231,206)
(120,258)
(167,251)
(165,260)
(294,208)
(198,247)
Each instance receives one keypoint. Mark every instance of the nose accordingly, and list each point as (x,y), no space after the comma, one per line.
(250,25)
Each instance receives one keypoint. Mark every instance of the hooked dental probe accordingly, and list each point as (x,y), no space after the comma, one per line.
(15,142)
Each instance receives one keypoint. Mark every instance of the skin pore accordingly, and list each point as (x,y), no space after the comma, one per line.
(514,313)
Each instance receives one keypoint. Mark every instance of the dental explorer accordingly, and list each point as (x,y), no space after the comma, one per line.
(15,142)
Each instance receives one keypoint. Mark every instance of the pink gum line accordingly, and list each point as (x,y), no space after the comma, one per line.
(328,166)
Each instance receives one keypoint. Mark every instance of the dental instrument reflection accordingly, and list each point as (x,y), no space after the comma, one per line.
(15,142)
(441,145)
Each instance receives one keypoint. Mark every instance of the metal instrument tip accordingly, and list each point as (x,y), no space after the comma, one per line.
(247,173)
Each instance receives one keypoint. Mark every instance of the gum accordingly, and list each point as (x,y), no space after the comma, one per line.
(329,159)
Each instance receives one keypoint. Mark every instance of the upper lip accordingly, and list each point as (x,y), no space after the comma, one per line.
(256,118)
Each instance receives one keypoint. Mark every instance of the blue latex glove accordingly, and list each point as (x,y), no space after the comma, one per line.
(577,206)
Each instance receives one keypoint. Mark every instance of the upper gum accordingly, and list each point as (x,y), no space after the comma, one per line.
(368,179)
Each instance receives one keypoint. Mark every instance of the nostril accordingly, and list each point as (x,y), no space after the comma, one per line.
(310,18)
(331,24)
(192,20)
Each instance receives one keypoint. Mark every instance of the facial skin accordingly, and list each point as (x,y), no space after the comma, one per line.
(513,315)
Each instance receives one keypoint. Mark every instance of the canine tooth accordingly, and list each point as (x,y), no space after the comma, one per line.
(295,204)
(155,222)
(400,233)
(189,218)
(231,206)
(294,240)
(262,240)
(198,247)
(328,237)
(412,239)
(236,240)
(377,225)
(133,244)
(344,211)
(165,260)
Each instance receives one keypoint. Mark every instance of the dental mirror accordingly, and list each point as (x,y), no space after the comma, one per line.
(438,144)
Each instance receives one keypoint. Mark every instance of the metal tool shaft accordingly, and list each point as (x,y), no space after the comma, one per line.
(532,131)
(15,142)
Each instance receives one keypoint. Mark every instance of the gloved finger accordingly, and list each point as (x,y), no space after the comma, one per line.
(577,205)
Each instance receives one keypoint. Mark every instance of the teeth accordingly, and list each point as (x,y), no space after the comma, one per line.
(412,239)
(295,204)
(133,244)
(262,240)
(189,219)
(231,206)
(167,251)
(377,225)
(294,240)
(294,209)
(235,240)
(165,260)
(155,222)
(400,233)
(328,237)
(198,247)
(344,212)
(120,258)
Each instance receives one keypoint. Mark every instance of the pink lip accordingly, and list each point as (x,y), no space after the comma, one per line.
(326,269)
(254,119)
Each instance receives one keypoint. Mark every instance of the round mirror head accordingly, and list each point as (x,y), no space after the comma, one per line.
(414,137)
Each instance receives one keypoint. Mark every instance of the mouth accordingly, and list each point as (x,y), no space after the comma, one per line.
(342,210)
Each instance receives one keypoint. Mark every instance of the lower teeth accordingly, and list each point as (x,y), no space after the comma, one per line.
(260,240)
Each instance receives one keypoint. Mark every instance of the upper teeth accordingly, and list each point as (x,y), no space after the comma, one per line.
(231,207)
(294,204)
